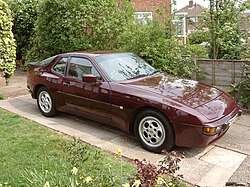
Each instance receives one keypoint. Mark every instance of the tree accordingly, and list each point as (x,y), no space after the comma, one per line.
(198,37)
(223,24)
(7,42)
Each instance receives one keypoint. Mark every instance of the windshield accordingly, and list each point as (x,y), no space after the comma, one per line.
(124,66)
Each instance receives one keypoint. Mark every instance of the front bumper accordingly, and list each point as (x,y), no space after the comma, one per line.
(187,135)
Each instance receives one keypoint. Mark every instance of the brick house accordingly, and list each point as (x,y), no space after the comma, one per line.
(193,13)
(187,19)
(147,8)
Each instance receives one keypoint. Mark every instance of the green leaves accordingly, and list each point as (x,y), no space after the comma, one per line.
(198,37)
(73,25)
(223,23)
(24,15)
(7,42)
(241,89)
(157,43)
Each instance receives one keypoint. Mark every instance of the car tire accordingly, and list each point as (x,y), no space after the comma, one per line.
(45,102)
(154,131)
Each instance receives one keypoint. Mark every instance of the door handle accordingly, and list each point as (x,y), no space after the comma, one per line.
(66,84)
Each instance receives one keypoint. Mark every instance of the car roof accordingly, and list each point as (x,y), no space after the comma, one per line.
(94,53)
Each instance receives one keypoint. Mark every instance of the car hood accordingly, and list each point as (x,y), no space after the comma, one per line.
(209,101)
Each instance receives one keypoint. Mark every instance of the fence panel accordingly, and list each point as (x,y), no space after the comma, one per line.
(221,72)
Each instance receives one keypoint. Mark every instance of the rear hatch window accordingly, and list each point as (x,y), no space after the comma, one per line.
(43,62)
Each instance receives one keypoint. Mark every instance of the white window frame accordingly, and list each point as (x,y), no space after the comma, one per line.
(181,21)
(142,17)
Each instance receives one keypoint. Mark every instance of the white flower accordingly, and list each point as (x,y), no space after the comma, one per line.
(74,171)
(46,184)
(88,179)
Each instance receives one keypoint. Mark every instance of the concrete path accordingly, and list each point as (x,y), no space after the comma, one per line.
(226,160)
(17,85)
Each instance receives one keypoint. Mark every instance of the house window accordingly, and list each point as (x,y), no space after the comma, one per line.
(193,19)
(190,31)
(142,17)
(178,25)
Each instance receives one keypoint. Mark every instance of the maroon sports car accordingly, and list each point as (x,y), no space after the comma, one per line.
(122,90)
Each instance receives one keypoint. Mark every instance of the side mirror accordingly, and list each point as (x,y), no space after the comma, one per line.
(89,78)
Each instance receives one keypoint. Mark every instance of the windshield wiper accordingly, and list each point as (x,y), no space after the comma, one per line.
(138,76)
(156,71)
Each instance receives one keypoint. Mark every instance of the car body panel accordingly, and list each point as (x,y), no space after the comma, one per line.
(87,97)
(188,92)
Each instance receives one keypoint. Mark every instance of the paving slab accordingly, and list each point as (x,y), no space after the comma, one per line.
(236,138)
(242,174)
(194,169)
(211,166)
(217,176)
(194,152)
(243,120)
(224,158)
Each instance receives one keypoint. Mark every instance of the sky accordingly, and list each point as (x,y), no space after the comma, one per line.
(182,3)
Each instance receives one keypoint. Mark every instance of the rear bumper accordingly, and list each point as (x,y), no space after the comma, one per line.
(187,135)
(32,94)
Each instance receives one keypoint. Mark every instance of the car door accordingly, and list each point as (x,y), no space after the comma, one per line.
(91,99)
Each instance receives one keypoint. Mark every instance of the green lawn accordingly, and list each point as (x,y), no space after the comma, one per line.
(32,154)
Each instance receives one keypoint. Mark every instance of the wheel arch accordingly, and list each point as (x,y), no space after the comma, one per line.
(138,110)
(37,87)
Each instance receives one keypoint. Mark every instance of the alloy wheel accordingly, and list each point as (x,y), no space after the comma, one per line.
(45,101)
(152,131)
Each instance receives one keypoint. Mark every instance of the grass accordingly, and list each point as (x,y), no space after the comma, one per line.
(32,154)
(1,97)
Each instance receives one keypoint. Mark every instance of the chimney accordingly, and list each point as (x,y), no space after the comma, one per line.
(191,4)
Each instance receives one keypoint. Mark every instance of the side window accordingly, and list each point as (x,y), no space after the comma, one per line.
(81,66)
(60,66)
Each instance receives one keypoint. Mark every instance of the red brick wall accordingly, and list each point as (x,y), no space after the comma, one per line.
(152,6)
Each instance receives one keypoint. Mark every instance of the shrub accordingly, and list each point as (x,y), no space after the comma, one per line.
(196,50)
(162,175)
(157,43)
(241,89)
(24,16)
(73,25)
(198,37)
(7,42)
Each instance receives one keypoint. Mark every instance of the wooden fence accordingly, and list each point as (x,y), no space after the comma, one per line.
(221,72)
